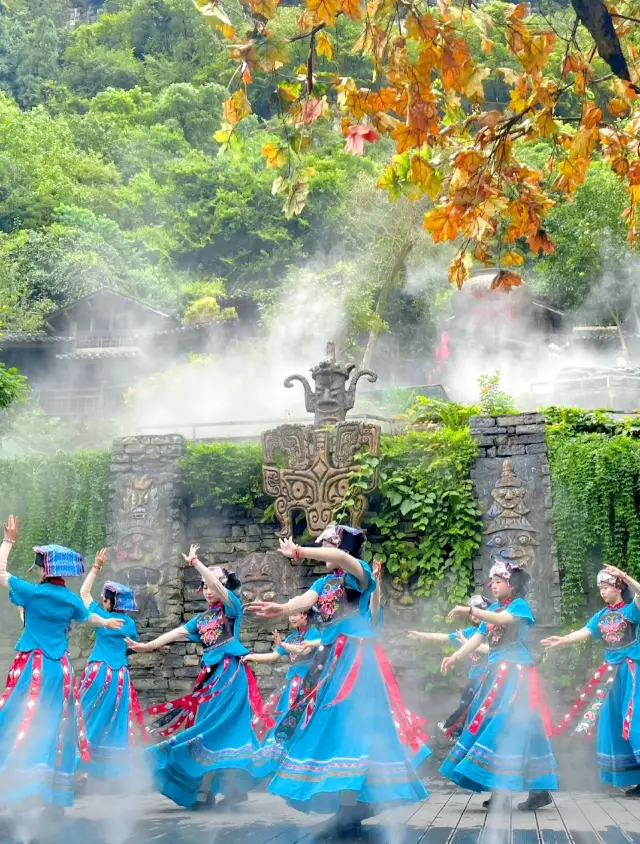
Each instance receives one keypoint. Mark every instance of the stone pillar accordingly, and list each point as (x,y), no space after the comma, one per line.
(513,487)
(146,526)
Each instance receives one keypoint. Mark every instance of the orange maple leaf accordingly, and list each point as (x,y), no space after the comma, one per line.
(617,107)
(236,108)
(442,222)
(540,241)
(505,280)
(459,268)
(324,11)
(352,8)
(407,138)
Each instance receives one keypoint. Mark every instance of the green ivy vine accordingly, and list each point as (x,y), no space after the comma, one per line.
(218,474)
(595,472)
(423,520)
(60,498)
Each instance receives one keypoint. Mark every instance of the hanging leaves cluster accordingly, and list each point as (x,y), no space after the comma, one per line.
(423,520)
(60,498)
(427,97)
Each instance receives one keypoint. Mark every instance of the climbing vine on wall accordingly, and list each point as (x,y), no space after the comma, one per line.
(423,518)
(60,498)
(595,471)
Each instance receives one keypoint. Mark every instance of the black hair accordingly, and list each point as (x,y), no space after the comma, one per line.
(110,596)
(627,594)
(233,581)
(520,582)
(39,559)
(352,542)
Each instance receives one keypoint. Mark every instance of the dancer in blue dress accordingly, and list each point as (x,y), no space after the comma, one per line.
(505,744)
(218,736)
(453,725)
(610,702)
(347,743)
(112,715)
(41,727)
(298,647)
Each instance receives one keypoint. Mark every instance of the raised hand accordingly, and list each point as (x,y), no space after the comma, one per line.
(277,638)
(461,637)
(553,642)
(447,663)
(265,609)
(192,557)
(289,548)
(114,623)
(414,634)
(615,572)
(11,529)
(376,568)
(101,558)
(459,610)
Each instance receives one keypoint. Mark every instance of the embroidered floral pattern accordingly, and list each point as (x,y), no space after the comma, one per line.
(495,632)
(211,625)
(329,600)
(614,629)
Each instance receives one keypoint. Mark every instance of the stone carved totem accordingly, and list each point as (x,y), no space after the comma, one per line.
(511,537)
(319,458)
(331,399)
(137,539)
(316,480)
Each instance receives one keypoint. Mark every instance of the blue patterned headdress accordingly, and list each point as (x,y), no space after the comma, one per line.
(58,561)
(122,597)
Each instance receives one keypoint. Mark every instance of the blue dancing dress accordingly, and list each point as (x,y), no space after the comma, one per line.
(41,727)
(348,735)
(454,724)
(617,702)
(217,716)
(284,697)
(505,743)
(109,702)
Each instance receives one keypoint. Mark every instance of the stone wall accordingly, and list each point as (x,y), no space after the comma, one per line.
(513,486)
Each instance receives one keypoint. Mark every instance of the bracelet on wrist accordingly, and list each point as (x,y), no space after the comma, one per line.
(10,541)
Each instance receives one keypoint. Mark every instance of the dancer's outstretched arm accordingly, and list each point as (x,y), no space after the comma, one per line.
(178,634)
(469,647)
(334,556)
(429,637)
(87,586)
(95,620)
(374,606)
(267,609)
(273,656)
(570,639)
(503,617)
(11,529)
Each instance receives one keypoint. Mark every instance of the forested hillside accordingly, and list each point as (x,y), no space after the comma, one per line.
(114,171)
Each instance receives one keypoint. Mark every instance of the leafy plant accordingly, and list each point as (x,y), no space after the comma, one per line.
(596,480)
(218,474)
(59,498)
(423,519)
(493,401)
(452,415)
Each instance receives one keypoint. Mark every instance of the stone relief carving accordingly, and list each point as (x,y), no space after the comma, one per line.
(139,554)
(511,537)
(267,576)
(332,398)
(320,461)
